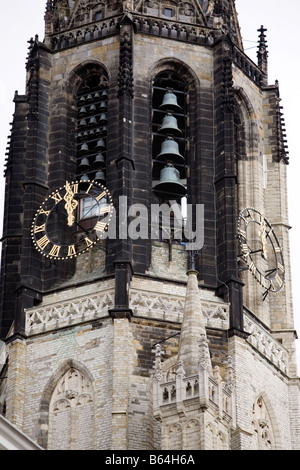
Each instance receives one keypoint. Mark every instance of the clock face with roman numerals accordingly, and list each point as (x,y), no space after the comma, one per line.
(261,251)
(72,219)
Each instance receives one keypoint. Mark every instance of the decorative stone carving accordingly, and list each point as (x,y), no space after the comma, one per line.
(216,314)
(125,68)
(263,435)
(265,343)
(73,390)
(59,314)
(157,306)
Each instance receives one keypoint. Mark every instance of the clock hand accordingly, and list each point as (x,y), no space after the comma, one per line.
(256,251)
(82,228)
(104,210)
(71,204)
(271,271)
(262,236)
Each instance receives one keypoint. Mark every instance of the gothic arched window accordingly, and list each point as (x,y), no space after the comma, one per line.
(71,413)
(92,99)
(263,435)
(169,142)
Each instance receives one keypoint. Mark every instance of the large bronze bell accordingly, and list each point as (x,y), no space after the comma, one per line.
(169,125)
(170,151)
(170,102)
(169,186)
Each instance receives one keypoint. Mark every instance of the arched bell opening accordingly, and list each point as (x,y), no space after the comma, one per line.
(169,138)
(91,136)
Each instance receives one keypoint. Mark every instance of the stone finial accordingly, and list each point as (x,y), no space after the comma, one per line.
(193,326)
(262,53)
(127,5)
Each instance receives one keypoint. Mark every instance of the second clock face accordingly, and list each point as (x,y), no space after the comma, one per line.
(72,219)
(261,250)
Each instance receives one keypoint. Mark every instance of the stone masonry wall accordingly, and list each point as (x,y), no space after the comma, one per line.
(88,345)
(252,368)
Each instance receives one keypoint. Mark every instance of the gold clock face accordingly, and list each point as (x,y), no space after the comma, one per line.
(72,219)
(261,251)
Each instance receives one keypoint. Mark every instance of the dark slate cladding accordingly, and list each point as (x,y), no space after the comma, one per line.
(120,250)
(13,214)
(225,186)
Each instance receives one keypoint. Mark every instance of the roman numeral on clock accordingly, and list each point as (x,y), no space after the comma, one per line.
(43,242)
(55,251)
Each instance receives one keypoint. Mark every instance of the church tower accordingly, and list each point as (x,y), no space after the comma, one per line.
(145,282)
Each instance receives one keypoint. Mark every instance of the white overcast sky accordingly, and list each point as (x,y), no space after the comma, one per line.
(23,19)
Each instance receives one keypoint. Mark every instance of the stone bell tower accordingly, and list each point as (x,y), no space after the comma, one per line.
(145,281)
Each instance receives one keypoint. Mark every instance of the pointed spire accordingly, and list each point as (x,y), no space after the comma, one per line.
(262,53)
(193,327)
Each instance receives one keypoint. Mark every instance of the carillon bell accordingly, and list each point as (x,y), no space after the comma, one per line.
(100,144)
(92,121)
(169,125)
(84,148)
(103,117)
(82,100)
(100,176)
(169,186)
(92,108)
(84,164)
(97,95)
(89,97)
(170,151)
(99,160)
(84,178)
(170,102)
(82,123)
(103,105)
(82,111)
(104,94)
